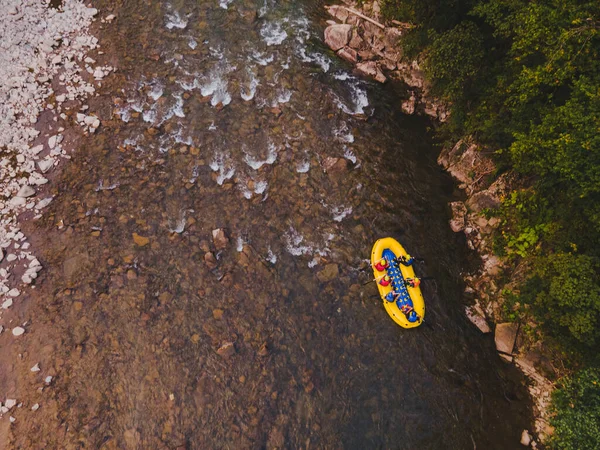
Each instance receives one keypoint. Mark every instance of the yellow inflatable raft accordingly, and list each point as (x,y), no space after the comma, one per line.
(402,301)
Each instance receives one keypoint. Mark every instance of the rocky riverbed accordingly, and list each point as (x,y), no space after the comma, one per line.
(202,252)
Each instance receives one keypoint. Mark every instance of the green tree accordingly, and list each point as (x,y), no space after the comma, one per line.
(576,408)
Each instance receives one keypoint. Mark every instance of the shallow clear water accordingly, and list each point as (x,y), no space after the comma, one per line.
(225,114)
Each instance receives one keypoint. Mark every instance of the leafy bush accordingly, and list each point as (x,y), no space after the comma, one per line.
(576,408)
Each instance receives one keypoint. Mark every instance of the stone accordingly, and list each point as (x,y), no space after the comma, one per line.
(505,337)
(356,42)
(459,212)
(45,164)
(25,191)
(10,403)
(210,260)
(329,272)
(371,69)
(18,331)
(349,54)
(35,368)
(338,36)
(35,407)
(14,292)
(525,438)
(226,350)
(335,166)
(338,12)
(140,241)
(220,239)
(7,303)
(409,106)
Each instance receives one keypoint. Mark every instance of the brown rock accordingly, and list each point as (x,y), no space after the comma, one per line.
(338,36)
(227,350)
(505,337)
(329,273)
(338,12)
(459,212)
(220,239)
(349,54)
(210,260)
(409,106)
(356,41)
(140,240)
(335,166)
(371,69)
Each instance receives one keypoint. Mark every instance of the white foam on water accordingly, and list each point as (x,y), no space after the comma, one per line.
(156,92)
(316,58)
(340,212)
(174,20)
(150,115)
(178,107)
(342,76)
(192,43)
(216,86)
(137,106)
(110,187)
(303,167)
(342,133)
(273,33)
(283,96)
(293,243)
(225,3)
(240,244)
(255,163)
(125,113)
(212,126)
(247,92)
(195,174)
(359,99)
(349,155)
(261,59)
(260,187)
(271,257)
(223,165)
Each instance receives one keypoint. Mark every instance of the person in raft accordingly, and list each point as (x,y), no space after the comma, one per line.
(405,309)
(385,281)
(382,265)
(406,260)
(413,282)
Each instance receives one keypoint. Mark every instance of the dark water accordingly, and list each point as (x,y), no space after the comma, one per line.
(227,120)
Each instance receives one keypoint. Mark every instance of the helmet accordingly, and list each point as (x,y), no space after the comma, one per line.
(383,262)
(386,278)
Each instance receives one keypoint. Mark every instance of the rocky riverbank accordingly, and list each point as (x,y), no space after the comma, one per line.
(46,76)
(359,35)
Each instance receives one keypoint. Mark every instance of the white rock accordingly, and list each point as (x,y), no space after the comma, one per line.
(525,438)
(17,201)
(48,379)
(12,419)
(25,191)
(96,123)
(7,303)
(89,120)
(43,203)
(18,331)
(110,18)
(10,403)
(45,164)
(1,255)
(35,368)
(35,407)
(14,292)
(12,257)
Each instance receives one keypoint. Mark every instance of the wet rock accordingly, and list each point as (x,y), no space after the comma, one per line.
(220,239)
(227,350)
(349,54)
(371,69)
(140,241)
(335,166)
(329,272)
(338,36)
(210,260)
(459,213)
(18,331)
(505,337)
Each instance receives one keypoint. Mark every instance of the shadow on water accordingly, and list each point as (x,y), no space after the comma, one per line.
(239,119)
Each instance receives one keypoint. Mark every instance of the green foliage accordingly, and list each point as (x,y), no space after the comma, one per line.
(564,291)
(576,408)
(454,59)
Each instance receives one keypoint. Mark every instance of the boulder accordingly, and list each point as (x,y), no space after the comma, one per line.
(25,191)
(329,272)
(338,12)
(349,54)
(409,106)
(459,212)
(525,438)
(506,336)
(356,42)
(371,69)
(338,36)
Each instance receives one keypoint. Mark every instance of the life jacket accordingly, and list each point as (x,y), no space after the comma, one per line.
(406,309)
(385,281)
(381,265)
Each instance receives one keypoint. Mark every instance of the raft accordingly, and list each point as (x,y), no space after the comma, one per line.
(389,248)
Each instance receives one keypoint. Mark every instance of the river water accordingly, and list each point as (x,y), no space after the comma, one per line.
(233,115)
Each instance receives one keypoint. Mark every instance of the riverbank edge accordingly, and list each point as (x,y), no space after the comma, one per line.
(359,36)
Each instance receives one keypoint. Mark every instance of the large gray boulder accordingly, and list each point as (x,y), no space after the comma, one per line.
(505,337)
(338,36)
